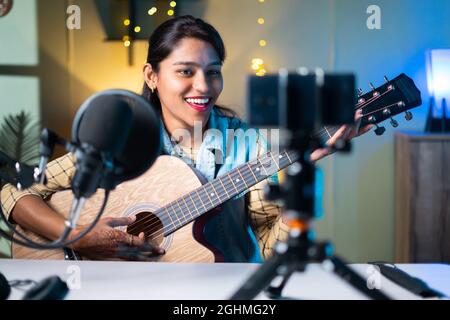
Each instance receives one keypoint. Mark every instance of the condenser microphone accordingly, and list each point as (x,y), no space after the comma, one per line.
(116,134)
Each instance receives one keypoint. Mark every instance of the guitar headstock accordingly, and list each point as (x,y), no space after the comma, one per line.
(384,102)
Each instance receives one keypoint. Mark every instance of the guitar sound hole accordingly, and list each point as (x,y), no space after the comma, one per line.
(150,224)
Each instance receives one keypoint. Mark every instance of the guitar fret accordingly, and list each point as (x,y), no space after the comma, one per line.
(201,200)
(189,197)
(173,217)
(183,213)
(262,166)
(232,182)
(170,218)
(219,188)
(215,191)
(285,160)
(215,198)
(236,183)
(225,189)
(207,193)
(167,211)
(187,206)
(248,165)
(240,184)
(179,206)
(275,161)
(287,155)
(247,174)
(238,171)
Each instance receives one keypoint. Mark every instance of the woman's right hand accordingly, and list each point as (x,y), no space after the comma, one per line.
(105,242)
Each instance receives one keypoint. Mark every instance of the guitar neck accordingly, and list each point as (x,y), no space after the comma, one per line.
(392,98)
(212,194)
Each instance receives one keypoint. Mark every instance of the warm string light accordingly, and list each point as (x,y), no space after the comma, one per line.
(258,67)
(171,11)
(257,63)
(126,41)
(127,22)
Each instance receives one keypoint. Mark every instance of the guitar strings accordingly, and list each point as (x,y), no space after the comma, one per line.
(373,111)
(187,220)
(239,188)
(362,105)
(179,202)
(160,232)
(247,174)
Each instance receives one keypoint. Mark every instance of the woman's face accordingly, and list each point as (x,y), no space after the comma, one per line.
(189,82)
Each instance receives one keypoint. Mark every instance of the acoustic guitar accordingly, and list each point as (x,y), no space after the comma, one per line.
(173,203)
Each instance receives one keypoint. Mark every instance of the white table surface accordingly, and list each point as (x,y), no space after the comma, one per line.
(169,281)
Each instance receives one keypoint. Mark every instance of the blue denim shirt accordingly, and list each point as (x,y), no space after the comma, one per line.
(229,231)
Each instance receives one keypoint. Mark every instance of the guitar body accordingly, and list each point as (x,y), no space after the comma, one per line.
(167,180)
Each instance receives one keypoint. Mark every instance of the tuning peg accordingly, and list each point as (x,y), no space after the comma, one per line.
(386,79)
(408,115)
(394,123)
(371,86)
(379,130)
(360,92)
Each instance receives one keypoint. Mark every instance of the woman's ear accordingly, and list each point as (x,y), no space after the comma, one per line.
(150,76)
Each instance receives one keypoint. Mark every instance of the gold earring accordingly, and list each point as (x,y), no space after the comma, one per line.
(152,89)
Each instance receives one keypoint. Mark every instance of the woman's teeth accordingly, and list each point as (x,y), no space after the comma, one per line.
(198,101)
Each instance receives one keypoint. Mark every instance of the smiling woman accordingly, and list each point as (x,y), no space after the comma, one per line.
(188,83)
(183,81)
(183,77)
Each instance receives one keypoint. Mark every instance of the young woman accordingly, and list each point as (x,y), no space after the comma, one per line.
(183,81)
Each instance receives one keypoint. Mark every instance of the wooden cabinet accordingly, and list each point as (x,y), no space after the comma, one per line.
(422,191)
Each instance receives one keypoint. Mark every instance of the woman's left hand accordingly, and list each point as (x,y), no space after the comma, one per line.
(345,132)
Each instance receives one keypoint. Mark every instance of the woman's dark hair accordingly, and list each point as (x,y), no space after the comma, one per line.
(167,36)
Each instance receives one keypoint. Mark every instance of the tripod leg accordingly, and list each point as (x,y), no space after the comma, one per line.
(355,280)
(274,292)
(259,280)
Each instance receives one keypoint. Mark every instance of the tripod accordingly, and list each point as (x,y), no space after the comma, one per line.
(300,249)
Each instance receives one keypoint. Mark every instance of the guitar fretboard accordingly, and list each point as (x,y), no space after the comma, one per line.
(194,204)
(391,98)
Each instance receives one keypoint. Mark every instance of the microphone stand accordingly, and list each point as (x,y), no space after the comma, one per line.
(23,176)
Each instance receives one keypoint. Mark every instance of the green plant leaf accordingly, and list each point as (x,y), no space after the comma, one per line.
(19,138)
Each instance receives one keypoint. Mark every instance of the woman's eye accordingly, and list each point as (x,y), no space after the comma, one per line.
(215,72)
(186,72)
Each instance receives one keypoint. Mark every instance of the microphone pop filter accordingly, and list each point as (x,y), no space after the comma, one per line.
(122,124)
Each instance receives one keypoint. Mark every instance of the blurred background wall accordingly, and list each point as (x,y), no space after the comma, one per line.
(49,71)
